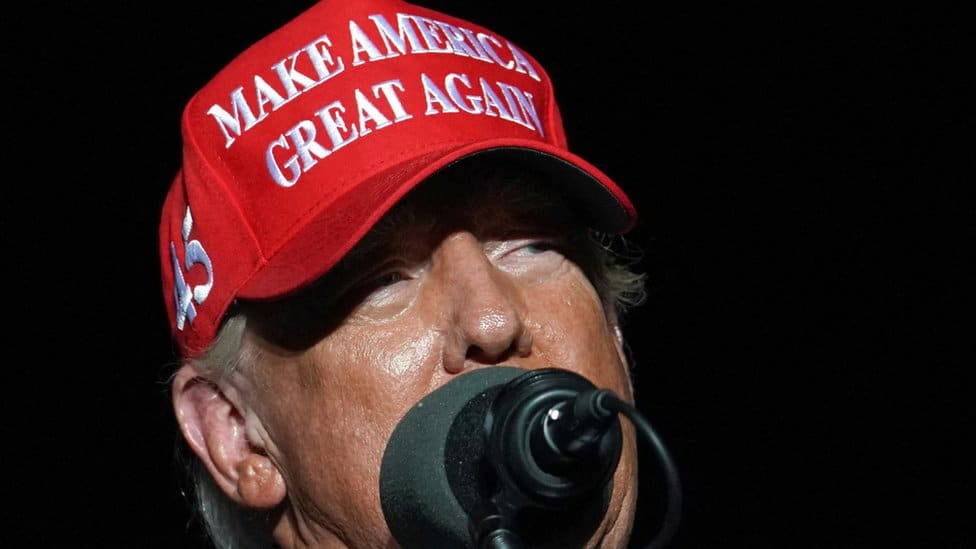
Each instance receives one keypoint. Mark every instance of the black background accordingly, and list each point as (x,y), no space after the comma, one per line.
(800,175)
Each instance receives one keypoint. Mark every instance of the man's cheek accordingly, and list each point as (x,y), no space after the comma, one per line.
(400,356)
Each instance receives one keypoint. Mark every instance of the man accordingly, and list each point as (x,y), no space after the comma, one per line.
(375,201)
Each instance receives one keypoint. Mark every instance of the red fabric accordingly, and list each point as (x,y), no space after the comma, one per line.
(379,94)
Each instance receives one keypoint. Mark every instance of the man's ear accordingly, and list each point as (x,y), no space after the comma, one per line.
(215,430)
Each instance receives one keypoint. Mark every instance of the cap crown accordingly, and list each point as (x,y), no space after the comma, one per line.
(296,147)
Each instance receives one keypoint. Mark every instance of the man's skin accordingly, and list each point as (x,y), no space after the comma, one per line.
(430,297)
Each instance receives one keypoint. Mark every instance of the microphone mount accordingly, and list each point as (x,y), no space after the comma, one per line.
(548,444)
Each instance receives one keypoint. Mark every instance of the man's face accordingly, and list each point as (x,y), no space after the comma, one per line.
(433,293)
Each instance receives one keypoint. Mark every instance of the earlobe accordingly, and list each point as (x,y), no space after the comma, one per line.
(259,482)
(214,429)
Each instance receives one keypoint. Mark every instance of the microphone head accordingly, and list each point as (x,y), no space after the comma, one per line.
(430,477)
(438,481)
(546,443)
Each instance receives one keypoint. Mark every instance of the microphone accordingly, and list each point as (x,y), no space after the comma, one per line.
(501,451)
(551,441)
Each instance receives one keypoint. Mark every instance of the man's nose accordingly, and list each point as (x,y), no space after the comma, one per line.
(484,306)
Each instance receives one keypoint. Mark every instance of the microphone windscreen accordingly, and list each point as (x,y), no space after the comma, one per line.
(430,473)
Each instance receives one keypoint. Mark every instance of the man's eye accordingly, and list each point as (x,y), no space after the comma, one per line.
(530,260)
(388,279)
(538,247)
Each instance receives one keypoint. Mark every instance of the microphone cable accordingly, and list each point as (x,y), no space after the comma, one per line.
(608,401)
(585,418)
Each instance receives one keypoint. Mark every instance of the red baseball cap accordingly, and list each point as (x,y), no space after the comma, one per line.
(297,147)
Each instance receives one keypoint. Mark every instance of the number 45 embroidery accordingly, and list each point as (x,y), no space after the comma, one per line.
(194,254)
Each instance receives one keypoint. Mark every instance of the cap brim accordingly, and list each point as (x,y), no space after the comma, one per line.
(316,244)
